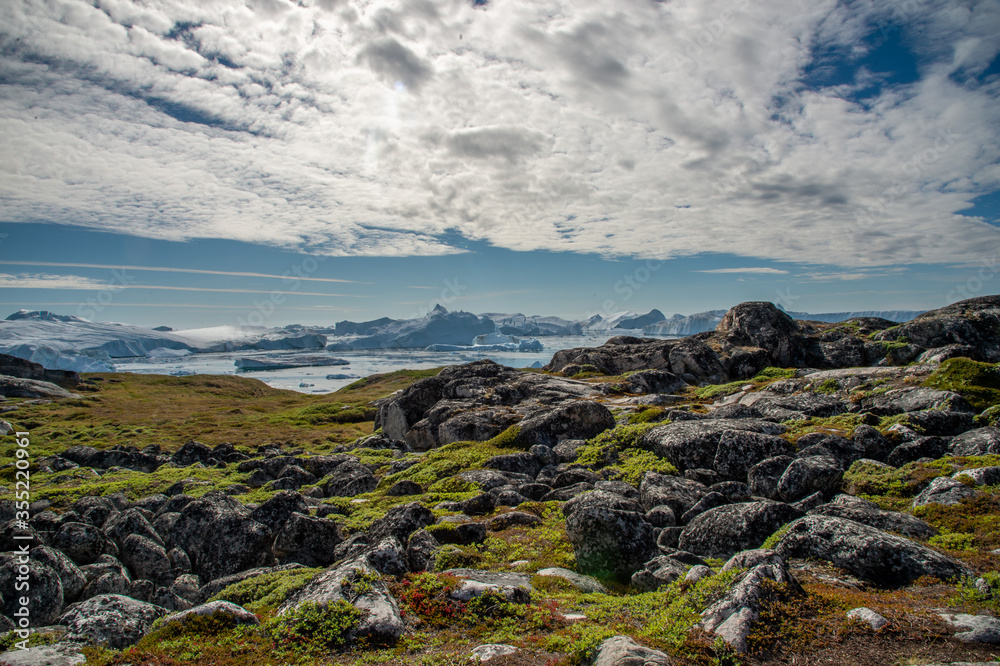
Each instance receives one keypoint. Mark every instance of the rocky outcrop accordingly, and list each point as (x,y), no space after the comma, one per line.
(869,553)
(111,620)
(479,400)
(12,366)
(725,530)
(623,651)
(610,536)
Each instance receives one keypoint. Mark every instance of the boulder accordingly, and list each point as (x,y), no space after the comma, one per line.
(805,476)
(584,584)
(974,628)
(221,610)
(868,513)
(978,442)
(130,521)
(899,401)
(659,571)
(709,501)
(693,444)
(921,447)
(220,537)
(725,530)
(519,463)
(307,540)
(348,480)
(841,449)
(94,510)
(739,450)
(83,543)
(57,654)
(146,559)
(875,445)
(732,617)
(514,586)
(45,592)
(763,477)
(653,381)
(581,419)
(678,493)
(111,620)
(420,551)
(401,521)
(505,521)
(275,511)
(869,553)
(380,620)
(623,651)
(72,579)
(944,490)
(980,476)
(608,541)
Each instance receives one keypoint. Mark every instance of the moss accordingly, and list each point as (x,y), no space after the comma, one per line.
(449,460)
(979,383)
(714,391)
(319,627)
(648,415)
(771,373)
(828,386)
(842,424)
(633,464)
(620,451)
(508,439)
(266,591)
(771,542)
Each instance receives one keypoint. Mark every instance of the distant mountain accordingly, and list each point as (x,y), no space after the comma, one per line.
(533,325)
(652,317)
(362,327)
(892,315)
(437,327)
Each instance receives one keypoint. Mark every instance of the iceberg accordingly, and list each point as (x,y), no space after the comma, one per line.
(275,363)
(534,325)
(166,352)
(55,359)
(437,327)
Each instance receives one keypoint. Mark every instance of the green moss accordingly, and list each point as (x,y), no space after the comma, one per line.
(325,414)
(620,451)
(770,373)
(648,415)
(842,424)
(508,439)
(771,542)
(828,386)
(633,464)
(266,591)
(714,391)
(979,383)
(316,627)
(449,460)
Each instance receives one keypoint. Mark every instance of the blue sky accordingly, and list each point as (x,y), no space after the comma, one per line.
(564,158)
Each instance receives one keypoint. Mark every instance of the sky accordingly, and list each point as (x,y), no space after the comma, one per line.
(192,163)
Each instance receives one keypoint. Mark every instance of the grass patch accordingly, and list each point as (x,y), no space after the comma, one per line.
(979,383)
(619,452)
(842,424)
(268,591)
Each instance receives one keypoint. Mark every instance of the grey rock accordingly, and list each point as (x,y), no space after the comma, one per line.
(869,553)
(401,521)
(608,541)
(732,617)
(111,620)
(981,476)
(45,593)
(661,516)
(868,513)
(72,579)
(678,493)
(404,488)
(212,588)
(725,530)
(348,479)
(582,583)
(738,451)
(420,551)
(111,582)
(875,445)
(519,463)
(220,609)
(709,501)
(623,651)
(83,543)
(511,519)
(843,450)
(868,616)
(130,521)
(58,654)
(978,442)
(660,570)
(944,490)
(515,587)
(763,477)
(388,556)
(220,537)
(566,450)
(94,510)
(915,449)
(307,540)
(977,628)
(902,400)
(146,559)
(697,572)
(276,510)
(491,651)
(691,444)
(805,476)
(380,620)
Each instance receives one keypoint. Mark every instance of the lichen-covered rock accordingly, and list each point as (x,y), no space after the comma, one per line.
(420,550)
(219,609)
(660,570)
(869,553)
(978,442)
(402,521)
(875,445)
(45,593)
(582,583)
(898,401)
(623,651)
(608,541)
(278,508)
(94,510)
(729,529)
(694,444)
(307,540)
(111,620)
(980,476)
(57,654)
(83,543)
(130,521)
(731,618)
(72,579)
(739,450)
(380,620)
(521,462)
(146,559)
(678,493)
(220,537)
(514,586)
(348,480)
(944,490)
(868,513)
(805,476)
(763,477)
(920,447)
(709,501)
(976,628)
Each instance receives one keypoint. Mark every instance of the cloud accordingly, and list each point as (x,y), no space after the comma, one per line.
(659,129)
(761,270)
(290,276)
(46,281)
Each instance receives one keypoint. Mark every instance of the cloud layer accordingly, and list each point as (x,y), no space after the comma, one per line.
(633,128)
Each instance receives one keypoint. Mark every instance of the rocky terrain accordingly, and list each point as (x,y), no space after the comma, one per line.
(774,491)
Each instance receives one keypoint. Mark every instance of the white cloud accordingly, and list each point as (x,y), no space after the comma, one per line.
(375,128)
(46,281)
(761,270)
